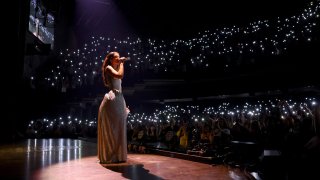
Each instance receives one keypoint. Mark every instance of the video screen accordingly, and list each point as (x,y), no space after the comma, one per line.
(41,23)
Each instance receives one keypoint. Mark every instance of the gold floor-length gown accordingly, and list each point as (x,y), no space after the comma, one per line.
(112,122)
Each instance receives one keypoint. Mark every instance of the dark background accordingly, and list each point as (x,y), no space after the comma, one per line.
(156,19)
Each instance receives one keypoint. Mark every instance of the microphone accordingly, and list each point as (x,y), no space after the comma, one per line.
(125,58)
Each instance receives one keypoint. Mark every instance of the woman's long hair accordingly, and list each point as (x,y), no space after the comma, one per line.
(106,62)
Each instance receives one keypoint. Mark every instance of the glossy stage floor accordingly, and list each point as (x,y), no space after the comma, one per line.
(76,159)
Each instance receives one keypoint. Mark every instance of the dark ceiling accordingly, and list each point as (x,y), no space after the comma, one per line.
(182,18)
(172,19)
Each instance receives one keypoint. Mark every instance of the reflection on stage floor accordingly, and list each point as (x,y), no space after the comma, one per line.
(76,159)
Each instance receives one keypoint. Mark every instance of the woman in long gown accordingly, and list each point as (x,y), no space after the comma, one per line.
(112,115)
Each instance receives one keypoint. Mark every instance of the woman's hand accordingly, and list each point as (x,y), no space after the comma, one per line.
(110,95)
(123,59)
(127,110)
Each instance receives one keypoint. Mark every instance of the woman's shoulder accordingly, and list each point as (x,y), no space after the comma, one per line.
(109,67)
(109,70)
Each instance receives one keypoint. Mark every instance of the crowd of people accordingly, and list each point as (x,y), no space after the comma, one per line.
(283,125)
(217,51)
(237,134)
(291,127)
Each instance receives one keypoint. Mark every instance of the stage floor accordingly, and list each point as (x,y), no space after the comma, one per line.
(76,159)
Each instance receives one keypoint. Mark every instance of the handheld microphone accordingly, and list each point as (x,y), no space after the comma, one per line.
(125,58)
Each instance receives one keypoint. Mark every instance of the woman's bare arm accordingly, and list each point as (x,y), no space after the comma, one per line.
(116,74)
